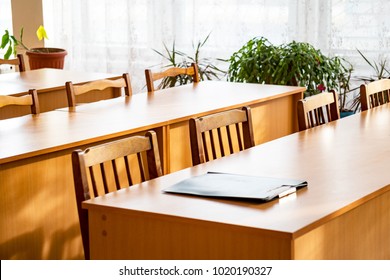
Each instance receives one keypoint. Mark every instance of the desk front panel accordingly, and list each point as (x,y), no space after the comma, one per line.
(136,236)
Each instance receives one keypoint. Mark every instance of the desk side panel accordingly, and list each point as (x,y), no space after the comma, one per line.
(116,235)
(362,233)
(38,214)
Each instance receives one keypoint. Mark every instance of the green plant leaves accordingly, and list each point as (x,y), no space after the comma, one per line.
(295,63)
(175,58)
(5,39)
(8,41)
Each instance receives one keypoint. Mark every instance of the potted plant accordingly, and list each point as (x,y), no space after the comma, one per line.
(380,71)
(295,63)
(206,67)
(38,57)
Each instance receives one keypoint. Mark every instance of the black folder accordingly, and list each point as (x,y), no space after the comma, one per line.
(227,185)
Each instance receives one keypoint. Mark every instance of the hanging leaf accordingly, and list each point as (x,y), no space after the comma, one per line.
(4,39)
(8,53)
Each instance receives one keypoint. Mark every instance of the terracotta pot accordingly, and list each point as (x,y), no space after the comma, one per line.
(46,58)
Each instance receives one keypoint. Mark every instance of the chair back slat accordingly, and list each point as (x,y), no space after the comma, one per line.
(127,167)
(317,110)
(213,146)
(104,178)
(151,77)
(141,167)
(139,153)
(116,175)
(221,141)
(229,135)
(205,150)
(239,137)
(212,136)
(93,181)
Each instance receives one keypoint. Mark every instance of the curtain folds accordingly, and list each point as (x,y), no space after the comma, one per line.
(119,36)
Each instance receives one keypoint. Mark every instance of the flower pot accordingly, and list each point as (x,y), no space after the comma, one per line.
(344,114)
(46,58)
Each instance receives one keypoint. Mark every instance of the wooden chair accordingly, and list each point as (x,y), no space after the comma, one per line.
(318,109)
(108,167)
(220,134)
(30,99)
(171,72)
(374,94)
(18,61)
(75,90)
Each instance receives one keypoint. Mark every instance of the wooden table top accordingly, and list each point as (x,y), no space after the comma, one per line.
(46,79)
(47,132)
(346,163)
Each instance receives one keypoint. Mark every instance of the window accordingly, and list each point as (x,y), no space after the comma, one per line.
(119,36)
(5,23)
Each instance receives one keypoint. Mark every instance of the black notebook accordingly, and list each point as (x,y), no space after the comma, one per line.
(226,185)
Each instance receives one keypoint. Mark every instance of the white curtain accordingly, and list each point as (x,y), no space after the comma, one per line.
(5,24)
(118,36)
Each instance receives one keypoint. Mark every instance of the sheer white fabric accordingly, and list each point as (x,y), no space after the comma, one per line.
(119,36)
(5,23)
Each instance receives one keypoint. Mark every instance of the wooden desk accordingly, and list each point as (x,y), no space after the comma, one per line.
(38,214)
(343,214)
(50,84)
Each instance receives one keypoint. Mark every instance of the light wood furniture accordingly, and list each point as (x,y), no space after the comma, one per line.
(191,71)
(220,134)
(98,169)
(43,222)
(50,85)
(18,61)
(338,216)
(318,109)
(77,90)
(374,94)
(30,99)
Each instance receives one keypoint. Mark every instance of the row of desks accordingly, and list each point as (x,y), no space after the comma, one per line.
(344,213)
(38,215)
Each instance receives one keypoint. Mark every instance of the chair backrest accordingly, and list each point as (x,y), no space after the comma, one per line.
(318,109)
(171,72)
(108,167)
(18,61)
(30,99)
(75,90)
(374,94)
(220,134)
